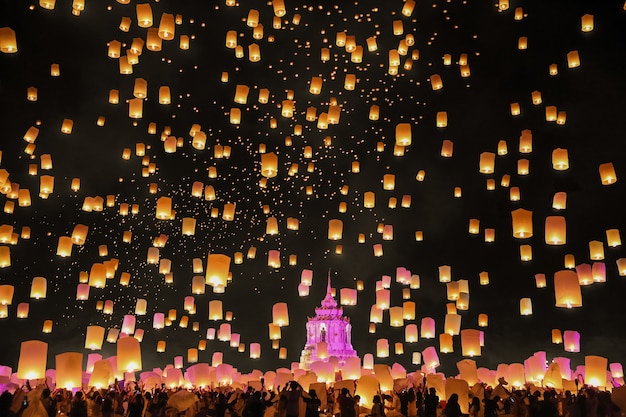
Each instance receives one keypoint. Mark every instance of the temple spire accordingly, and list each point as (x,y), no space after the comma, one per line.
(329,301)
(328,288)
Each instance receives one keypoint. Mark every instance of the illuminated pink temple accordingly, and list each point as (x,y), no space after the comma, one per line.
(328,334)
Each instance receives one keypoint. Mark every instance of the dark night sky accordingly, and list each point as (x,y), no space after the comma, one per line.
(479,116)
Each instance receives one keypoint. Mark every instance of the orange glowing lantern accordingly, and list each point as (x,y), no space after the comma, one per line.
(38,288)
(8,42)
(607,173)
(573,59)
(613,238)
(446,344)
(47,326)
(567,289)
(555,230)
(525,307)
(32,360)
(596,250)
(167,26)
(522,223)
(69,370)
(217,269)
(526,253)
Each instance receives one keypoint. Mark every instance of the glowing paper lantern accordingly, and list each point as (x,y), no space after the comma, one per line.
(32,360)
(166,26)
(522,223)
(596,371)
(555,230)
(382,348)
(525,307)
(427,328)
(613,238)
(403,134)
(560,159)
(128,354)
(217,269)
(8,42)
(38,288)
(69,370)
(567,289)
(335,229)
(607,173)
(280,314)
(571,341)
(573,59)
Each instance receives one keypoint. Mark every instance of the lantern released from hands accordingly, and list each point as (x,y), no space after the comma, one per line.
(32,360)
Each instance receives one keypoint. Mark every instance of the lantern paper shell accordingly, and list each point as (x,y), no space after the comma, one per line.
(69,370)
(218,267)
(522,223)
(280,314)
(567,289)
(128,354)
(32,360)
(8,42)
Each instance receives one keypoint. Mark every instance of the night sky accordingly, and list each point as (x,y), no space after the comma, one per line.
(203,80)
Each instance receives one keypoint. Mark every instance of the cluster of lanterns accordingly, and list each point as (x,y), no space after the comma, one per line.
(297,109)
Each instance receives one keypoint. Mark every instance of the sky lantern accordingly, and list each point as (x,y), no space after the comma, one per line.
(571,341)
(218,266)
(596,250)
(376,314)
(8,42)
(128,354)
(607,173)
(585,276)
(522,223)
(396,318)
(427,328)
(279,8)
(198,284)
(435,82)
(215,310)
(82,291)
(22,310)
(254,52)
(269,165)
(555,230)
(348,296)
(573,59)
(32,360)
(335,229)
(403,134)
(280,314)
(470,342)
(487,162)
(69,370)
(613,238)
(596,371)
(525,307)
(445,273)
(567,289)
(38,288)
(144,15)
(135,108)
(559,201)
(586,23)
(382,348)
(522,43)
(452,324)
(167,27)
(47,326)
